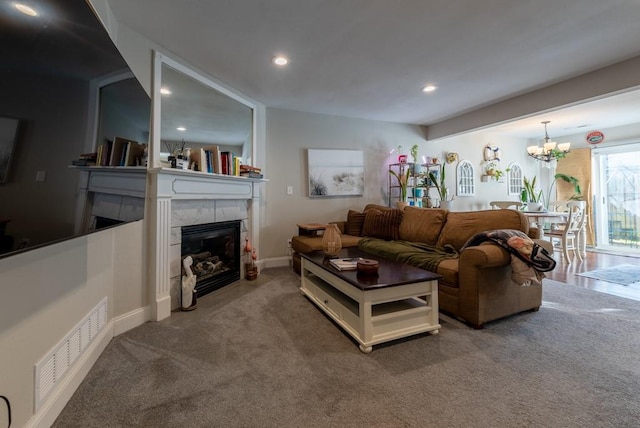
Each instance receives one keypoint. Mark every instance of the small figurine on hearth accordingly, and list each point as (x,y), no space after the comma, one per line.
(188,300)
(251,272)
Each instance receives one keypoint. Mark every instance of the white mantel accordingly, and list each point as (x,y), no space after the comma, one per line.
(167,185)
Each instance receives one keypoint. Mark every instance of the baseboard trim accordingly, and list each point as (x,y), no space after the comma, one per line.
(163,308)
(284,261)
(126,322)
(46,416)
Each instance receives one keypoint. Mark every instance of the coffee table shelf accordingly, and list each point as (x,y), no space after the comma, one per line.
(371,312)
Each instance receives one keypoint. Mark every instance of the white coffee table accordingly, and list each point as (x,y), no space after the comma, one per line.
(400,301)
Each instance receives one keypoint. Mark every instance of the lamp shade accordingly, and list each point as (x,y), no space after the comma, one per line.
(549,146)
(564,146)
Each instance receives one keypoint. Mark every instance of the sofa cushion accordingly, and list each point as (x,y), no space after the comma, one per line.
(382,224)
(449,268)
(355,223)
(461,226)
(422,224)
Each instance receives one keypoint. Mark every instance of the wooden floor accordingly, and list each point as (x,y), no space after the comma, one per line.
(566,272)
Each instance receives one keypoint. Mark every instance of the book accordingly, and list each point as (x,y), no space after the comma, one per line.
(225,162)
(244,167)
(118,151)
(212,160)
(345,264)
(251,174)
(134,154)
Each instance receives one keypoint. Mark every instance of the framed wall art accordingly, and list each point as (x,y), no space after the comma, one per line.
(335,173)
(8,134)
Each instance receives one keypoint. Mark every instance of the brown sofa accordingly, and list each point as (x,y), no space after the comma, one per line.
(476,287)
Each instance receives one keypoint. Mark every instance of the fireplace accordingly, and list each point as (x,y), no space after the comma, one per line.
(215,249)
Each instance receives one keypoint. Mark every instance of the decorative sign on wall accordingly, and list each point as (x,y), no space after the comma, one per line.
(594,137)
(335,172)
(492,153)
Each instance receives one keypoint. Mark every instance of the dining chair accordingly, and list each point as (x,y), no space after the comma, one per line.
(568,234)
(503,205)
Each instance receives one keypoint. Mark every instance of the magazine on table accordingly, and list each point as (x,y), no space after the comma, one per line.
(345,264)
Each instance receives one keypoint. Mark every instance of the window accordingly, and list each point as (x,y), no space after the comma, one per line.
(466,179)
(514,179)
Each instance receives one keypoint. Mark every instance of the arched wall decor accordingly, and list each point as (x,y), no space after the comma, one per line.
(465,178)
(514,179)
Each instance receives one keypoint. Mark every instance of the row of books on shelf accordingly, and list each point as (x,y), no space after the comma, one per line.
(212,160)
(119,152)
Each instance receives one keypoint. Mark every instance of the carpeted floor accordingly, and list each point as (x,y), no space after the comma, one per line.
(259,354)
(625,274)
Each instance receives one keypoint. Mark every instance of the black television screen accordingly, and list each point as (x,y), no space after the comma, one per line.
(66,90)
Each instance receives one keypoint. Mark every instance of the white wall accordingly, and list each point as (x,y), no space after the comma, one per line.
(290,134)
(471,147)
(46,292)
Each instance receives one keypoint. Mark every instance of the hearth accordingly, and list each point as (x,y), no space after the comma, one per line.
(215,249)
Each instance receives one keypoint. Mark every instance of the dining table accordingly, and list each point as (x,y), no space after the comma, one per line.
(538,218)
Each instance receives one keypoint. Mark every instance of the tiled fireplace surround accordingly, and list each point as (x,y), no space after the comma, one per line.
(192,212)
(180,198)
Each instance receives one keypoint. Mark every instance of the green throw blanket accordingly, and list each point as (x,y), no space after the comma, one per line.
(413,253)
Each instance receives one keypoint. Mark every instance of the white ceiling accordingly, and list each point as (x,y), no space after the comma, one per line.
(369,58)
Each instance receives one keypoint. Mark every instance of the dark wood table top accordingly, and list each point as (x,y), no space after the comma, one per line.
(390,273)
(312,226)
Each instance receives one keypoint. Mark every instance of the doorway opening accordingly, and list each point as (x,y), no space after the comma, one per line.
(617,198)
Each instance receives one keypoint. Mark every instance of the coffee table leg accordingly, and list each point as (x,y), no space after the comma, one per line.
(366,349)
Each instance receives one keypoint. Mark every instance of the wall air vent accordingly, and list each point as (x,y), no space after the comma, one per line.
(51,369)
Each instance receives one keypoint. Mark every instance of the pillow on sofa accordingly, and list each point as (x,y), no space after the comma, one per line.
(355,223)
(382,224)
(422,224)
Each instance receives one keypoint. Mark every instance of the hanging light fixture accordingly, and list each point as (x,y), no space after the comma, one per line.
(550,151)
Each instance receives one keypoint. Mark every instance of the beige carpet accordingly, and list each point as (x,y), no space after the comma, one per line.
(261,355)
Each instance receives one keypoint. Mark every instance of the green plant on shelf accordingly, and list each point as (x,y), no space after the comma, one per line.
(439,183)
(414,153)
(403,180)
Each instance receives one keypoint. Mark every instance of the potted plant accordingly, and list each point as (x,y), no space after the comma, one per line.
(569,179)
(531,195)
(403,178)
(492,170)
(414,153)
(440,185)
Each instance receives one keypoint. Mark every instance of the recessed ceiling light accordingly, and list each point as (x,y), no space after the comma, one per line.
(429,88)
(165,91)
(280,60)
(25,9)
(181,128)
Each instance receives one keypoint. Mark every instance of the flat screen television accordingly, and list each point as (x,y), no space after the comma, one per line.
(65,91)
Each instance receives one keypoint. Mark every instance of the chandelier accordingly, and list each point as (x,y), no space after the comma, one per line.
(550,151)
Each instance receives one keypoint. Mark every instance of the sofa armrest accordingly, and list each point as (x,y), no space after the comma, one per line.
(534,233)
(485,255)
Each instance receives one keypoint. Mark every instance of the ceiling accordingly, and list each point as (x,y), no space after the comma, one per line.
(370,58)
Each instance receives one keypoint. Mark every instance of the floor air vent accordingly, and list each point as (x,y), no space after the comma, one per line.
(51,369)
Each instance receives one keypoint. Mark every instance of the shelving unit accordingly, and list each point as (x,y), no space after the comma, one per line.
(418,179)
